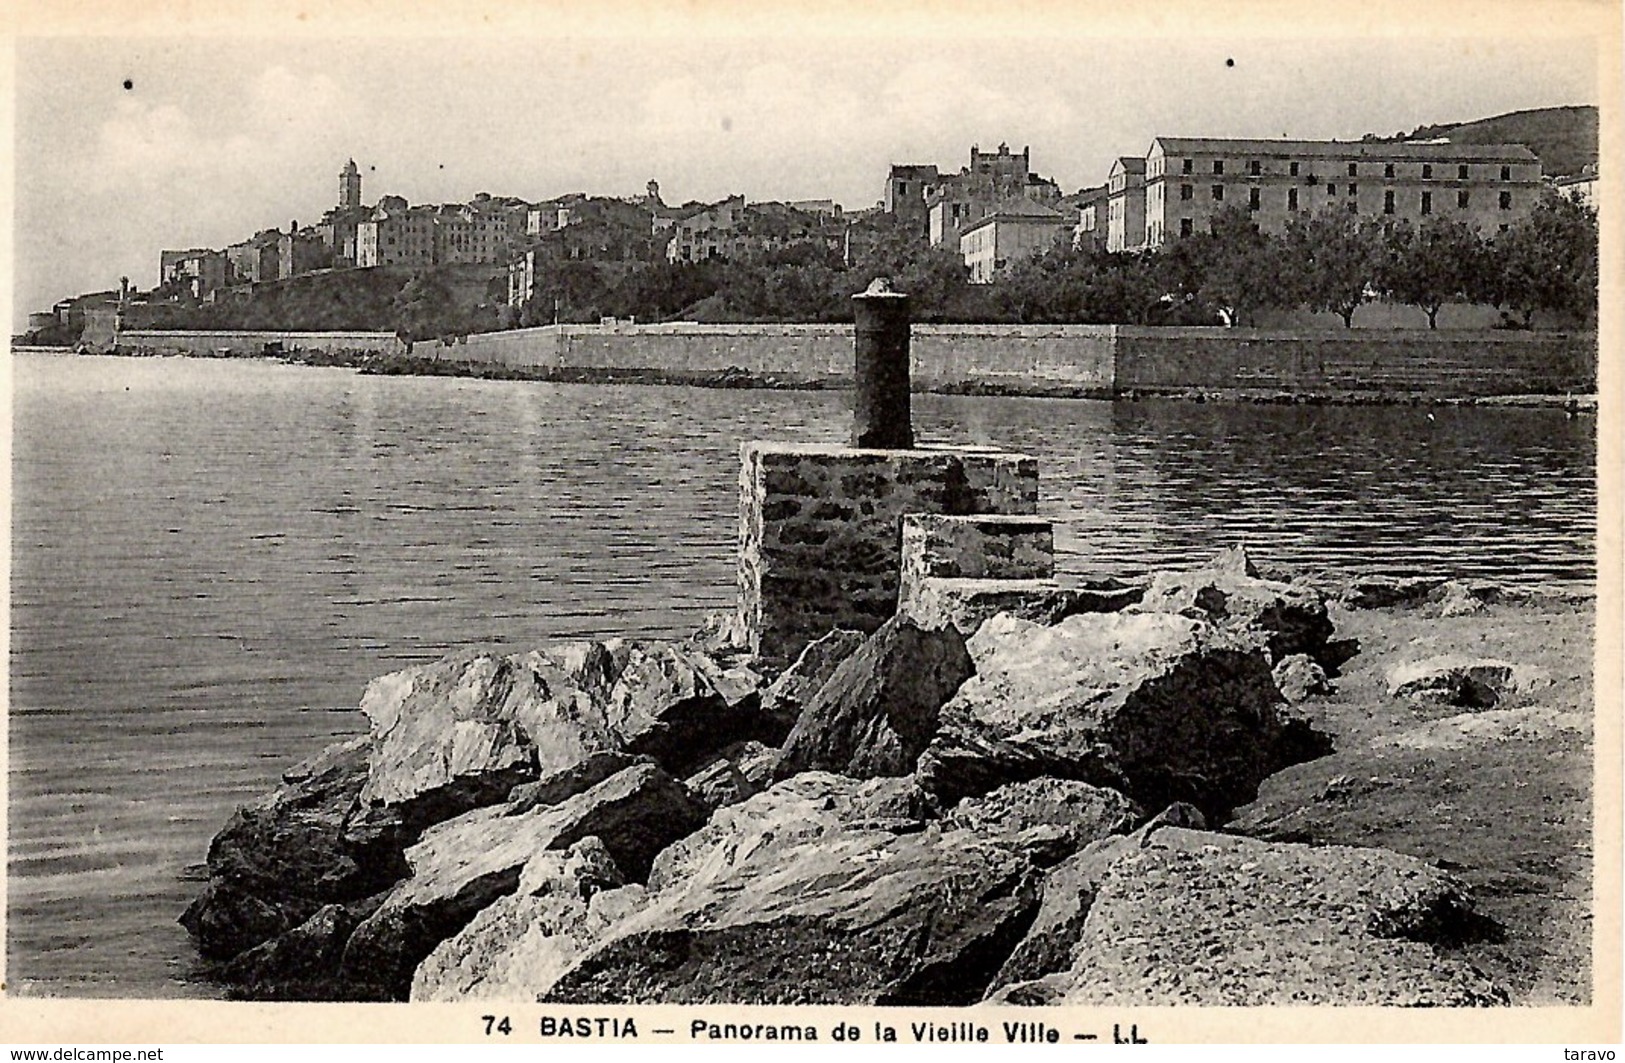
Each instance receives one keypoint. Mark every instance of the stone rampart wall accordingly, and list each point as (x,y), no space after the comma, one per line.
(1439,363)
(1087,359)
(1080,358)
(942,355)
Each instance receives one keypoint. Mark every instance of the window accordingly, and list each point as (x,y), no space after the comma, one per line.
(1427,202)
(1218,166)
(1331,190)
(1354,208)
(1218,193)
(1293,169)
(1252,199)
(1461,199)
(1354,189)
(1254,168)
(1427,170)
(1388,170)
(1185,165)
(1503,227)
(1506,173)
(1187,192)
(1186,226)
(1388,201)
(1354,169)
(1292,199)
(1461,172)
(1506,200)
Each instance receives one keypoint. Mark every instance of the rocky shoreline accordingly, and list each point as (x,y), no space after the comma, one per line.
(1214,787)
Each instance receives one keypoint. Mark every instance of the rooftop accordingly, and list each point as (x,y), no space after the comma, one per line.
(1344,149)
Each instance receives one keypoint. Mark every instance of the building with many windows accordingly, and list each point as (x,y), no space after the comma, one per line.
(1190,179)
(397,236)
(484,232)
(1017,229)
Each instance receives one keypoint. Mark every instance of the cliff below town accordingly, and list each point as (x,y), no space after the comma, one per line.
(1214,787)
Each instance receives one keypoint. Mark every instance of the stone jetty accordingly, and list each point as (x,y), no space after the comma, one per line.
(915,767)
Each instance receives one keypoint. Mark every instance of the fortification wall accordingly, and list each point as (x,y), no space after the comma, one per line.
(1077,356)
(1087,359)
(1456,363)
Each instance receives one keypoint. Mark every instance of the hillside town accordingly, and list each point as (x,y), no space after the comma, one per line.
(500,261)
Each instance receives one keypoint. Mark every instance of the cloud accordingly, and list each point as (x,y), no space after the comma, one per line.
(288,116)
(145,139)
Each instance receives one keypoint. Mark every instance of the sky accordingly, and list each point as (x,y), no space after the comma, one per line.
(126,145)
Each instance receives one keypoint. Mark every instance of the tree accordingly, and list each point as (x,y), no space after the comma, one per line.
(1123,289)
(1548,260)
(1234,269)
(422,308)
(569,290)
(1430,266)
(1337,259)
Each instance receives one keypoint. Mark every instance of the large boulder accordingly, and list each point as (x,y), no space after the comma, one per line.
(301,963)
(1466,682)
(800,809)
(966,604)
(1281,618)
(462,732)
(1299,678)
(787,695)
(822,890)
(282,858)
(462,866)
(1159,706)
(1049,819)
(879,708)
(559,786)
(518,943)
(741,771)
(1180,916)
(448,733)
(679,705)
(522,944)
(1388,592)
(564,900)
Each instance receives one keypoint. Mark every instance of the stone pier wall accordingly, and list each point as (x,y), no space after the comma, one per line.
(1092,360)
(1400,361)
(820,530)
(1013,357)
(1079,359)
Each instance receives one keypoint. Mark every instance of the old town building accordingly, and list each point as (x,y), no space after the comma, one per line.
(1190,179)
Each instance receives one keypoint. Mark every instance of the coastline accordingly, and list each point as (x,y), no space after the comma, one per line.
(383,364)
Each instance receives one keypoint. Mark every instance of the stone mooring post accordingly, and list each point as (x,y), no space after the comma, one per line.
(821,527)
(881,415)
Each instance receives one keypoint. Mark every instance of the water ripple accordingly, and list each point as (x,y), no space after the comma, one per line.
(212,559)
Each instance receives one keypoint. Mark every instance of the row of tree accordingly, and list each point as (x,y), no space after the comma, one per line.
(1331,261)
(1335,262)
